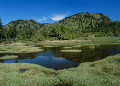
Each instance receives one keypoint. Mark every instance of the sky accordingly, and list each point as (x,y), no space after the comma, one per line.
(50,11)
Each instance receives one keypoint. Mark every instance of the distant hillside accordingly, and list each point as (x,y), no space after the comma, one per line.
(23,24)
(21,28)
(85,20)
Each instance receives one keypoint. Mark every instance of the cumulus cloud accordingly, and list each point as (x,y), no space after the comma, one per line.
(58,17)
(42,19)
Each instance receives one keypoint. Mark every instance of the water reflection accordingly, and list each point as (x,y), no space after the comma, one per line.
(89,54)
(53,58)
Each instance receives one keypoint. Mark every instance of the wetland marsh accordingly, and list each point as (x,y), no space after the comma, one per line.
(46,64)
(53,57)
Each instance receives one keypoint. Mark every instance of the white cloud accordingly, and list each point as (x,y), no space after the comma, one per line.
(58,17)
(42,19)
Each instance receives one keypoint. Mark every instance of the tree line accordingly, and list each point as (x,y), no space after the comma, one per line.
(79,25)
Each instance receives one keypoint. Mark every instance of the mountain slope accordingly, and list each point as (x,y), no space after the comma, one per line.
(85,20)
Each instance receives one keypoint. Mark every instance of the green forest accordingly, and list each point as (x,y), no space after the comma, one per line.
(72,27)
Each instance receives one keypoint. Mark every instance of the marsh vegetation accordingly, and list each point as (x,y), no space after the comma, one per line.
(8,57)
(22,48)
(71,50)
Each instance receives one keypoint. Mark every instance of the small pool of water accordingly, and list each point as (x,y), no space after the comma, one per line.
(54,58)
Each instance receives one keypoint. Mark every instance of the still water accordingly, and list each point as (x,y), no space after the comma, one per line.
(54,58)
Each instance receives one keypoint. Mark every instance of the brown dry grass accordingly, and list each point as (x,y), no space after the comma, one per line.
(60,41)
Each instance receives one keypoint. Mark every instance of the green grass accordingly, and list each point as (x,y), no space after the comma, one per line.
(19,49)
(8,57)
(102,40)
(99,73)
(34,75)
(91,41)
(104,72)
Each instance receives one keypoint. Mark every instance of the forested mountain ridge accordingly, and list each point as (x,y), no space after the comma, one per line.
(21,29)
(85,20)
(78,25)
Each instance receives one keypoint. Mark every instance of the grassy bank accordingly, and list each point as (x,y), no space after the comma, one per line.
(99,73)
(80,41)
(74,43)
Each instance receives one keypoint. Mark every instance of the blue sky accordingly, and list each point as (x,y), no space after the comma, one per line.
(50,11)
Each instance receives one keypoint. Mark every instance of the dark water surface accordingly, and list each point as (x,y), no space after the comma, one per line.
(54,58)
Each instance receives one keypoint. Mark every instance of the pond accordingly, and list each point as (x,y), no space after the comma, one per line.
(54,58)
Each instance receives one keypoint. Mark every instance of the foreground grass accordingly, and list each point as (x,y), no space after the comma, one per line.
(99,73)
(104,72)
(34,75)
(22,48)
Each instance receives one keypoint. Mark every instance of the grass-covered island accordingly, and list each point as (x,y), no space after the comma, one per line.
(71,50)
(19,48)
(104,72)
(8,57)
